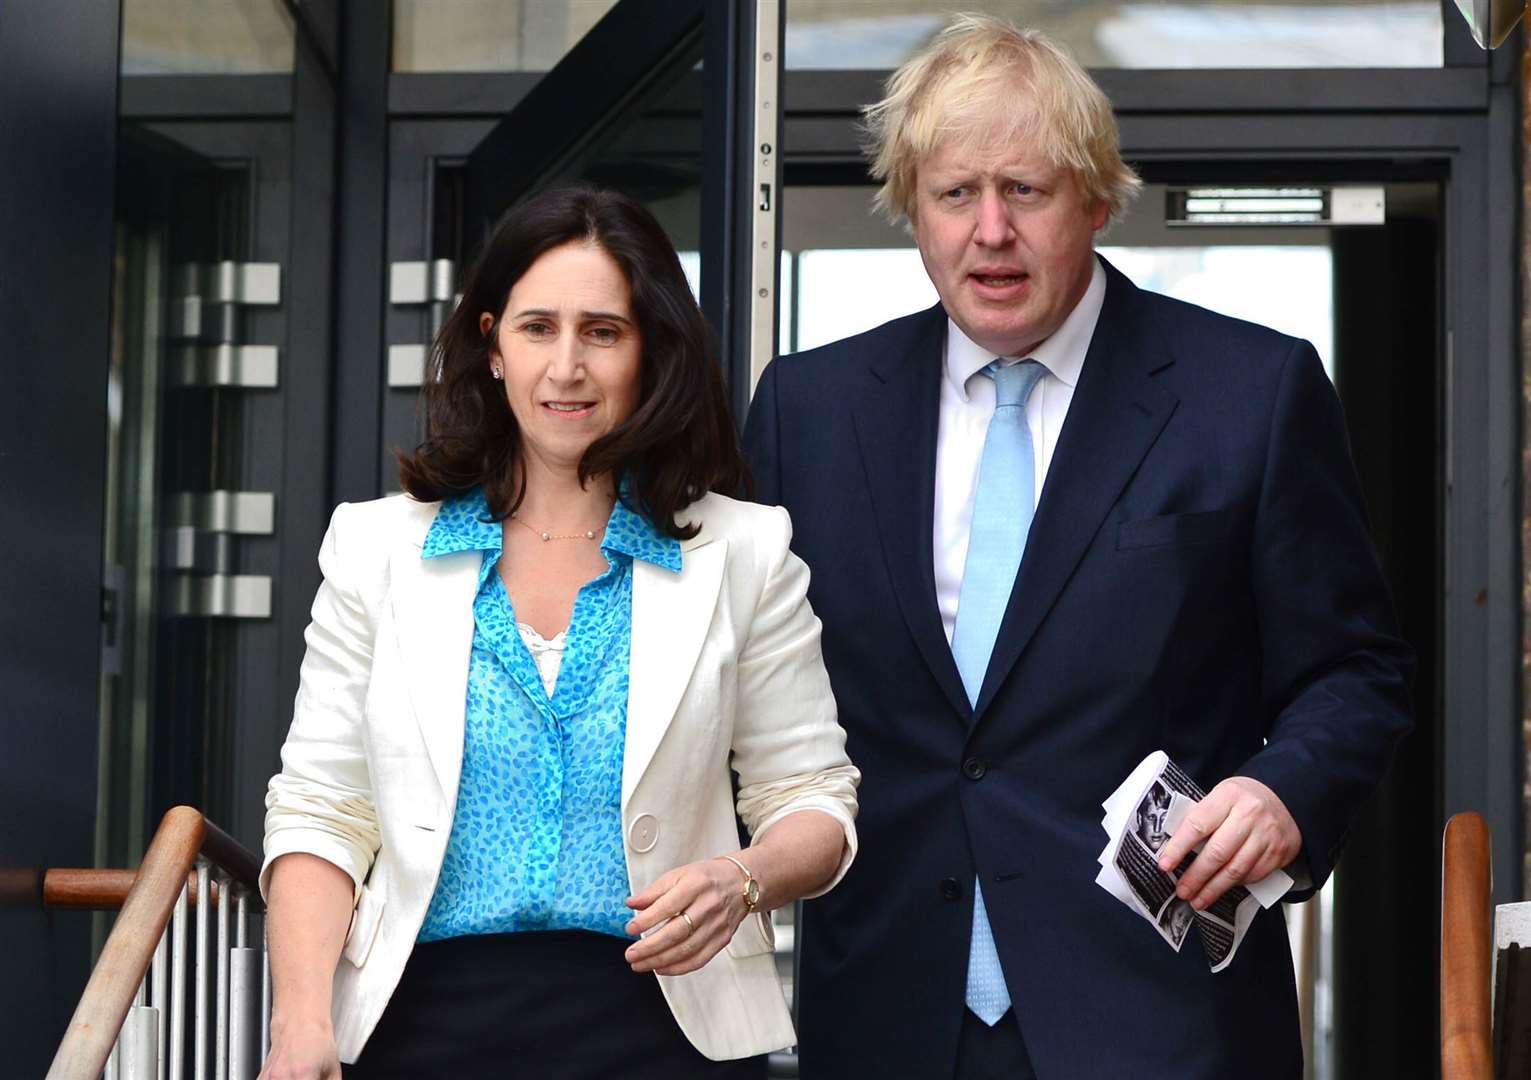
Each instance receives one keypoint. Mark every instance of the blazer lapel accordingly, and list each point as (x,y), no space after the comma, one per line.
(433,618)
(672,614)
(1116,415)
(896,419)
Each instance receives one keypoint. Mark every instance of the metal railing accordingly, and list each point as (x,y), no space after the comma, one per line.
(138,1018)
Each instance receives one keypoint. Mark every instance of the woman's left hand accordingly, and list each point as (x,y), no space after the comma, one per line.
(708,893)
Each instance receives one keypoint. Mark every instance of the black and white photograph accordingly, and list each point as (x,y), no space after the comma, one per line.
(1152,886)
(1175,920)
(1149,822)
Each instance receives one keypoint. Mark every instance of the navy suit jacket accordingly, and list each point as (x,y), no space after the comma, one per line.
(1198,578)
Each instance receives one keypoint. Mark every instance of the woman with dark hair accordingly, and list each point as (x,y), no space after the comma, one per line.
(539,687)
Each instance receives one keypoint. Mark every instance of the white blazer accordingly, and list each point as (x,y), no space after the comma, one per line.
(726,673)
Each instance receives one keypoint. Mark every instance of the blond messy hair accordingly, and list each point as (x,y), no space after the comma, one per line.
(985,83)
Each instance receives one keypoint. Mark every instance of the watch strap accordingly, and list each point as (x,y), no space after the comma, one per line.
(749,879)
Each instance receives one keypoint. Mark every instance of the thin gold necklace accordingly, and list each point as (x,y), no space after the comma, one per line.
(588,534)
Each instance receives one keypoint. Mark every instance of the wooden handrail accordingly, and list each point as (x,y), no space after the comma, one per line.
(1466,950)
(102,890)
(148,896)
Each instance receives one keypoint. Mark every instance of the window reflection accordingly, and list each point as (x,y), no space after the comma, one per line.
(206,37)
(489,35)
(877,34)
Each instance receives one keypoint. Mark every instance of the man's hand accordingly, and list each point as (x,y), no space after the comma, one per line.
(1248,833)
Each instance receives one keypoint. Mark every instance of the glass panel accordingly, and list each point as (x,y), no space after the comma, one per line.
(1289,288)
(489,35)
(654,154)
(206,37)
(851,271)
(1138,33)
(845,291)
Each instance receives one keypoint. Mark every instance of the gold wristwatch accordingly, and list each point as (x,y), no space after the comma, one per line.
(751,890)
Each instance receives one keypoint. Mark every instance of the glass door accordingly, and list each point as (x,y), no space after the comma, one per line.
(179,368)
(673,104)
(1368,296)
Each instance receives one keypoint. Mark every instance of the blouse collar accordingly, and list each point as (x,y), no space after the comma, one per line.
(464,523)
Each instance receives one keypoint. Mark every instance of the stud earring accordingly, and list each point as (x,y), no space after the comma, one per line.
(497,373)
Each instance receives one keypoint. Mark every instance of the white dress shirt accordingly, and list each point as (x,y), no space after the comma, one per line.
(967,404)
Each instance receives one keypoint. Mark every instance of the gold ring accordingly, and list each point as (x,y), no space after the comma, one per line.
(690,926)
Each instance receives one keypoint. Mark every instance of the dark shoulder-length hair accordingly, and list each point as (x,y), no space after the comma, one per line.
(678,444)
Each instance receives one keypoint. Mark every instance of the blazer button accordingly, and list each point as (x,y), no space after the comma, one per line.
(974,768)
(951,888)
(643,833)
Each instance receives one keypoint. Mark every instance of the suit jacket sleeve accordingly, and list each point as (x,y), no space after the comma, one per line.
(1335,672)
(788,746)
(762,439)
(321,802)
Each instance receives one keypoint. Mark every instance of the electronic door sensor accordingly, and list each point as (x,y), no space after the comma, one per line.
(1227,206)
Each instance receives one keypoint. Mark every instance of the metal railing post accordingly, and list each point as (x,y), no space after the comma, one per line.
(221,1017)
(244,999)
(178,988)
(265,992)
(159,999)
(199,1001)
(138,1041)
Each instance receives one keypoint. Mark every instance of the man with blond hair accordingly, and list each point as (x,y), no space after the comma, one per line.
(1056,523)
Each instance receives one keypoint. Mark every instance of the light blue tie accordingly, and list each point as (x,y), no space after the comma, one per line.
(1002,511)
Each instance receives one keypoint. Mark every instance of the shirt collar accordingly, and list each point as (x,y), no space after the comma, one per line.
(1062,354)
(637,537)
(464,523)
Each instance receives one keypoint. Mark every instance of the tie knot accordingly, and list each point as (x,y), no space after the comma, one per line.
(1013,383)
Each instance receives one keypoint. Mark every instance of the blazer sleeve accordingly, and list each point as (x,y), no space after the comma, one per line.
(1335,671)
(321,801)
(789,748)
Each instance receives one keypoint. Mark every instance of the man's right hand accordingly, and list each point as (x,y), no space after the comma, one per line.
(301,1051)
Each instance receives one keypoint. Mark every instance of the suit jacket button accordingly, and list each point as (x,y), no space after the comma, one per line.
(643,833)
(951,888)
(974,768)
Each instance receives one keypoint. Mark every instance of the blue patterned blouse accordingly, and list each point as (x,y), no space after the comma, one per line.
(536,841)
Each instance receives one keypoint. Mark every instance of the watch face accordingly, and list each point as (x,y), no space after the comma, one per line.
(752,892)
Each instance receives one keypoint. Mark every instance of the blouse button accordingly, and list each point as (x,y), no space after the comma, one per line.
(644,832)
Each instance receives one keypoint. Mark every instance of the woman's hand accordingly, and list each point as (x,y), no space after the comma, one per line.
(302,1051)
(709,895)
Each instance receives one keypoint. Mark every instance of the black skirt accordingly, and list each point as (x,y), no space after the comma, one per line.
(556,1005)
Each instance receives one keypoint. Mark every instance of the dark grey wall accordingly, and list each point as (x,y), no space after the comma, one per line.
(58,95)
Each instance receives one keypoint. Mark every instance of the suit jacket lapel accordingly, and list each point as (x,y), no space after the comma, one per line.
(1116,415)
(896,418)
(433,618)
(672,614)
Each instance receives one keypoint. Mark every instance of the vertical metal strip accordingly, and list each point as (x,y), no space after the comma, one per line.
(199,1000)
(177,1047)
(265,992)
(139,1061)
(159,998)
(221,1018)
(765,190)
(244,1013)
(244,995)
